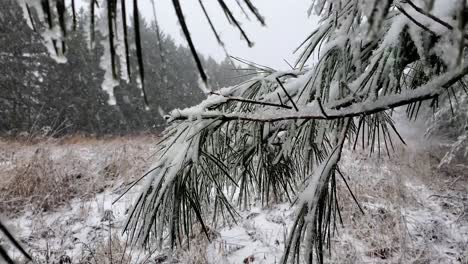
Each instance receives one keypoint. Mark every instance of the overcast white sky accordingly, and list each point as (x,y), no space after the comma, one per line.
(287,26)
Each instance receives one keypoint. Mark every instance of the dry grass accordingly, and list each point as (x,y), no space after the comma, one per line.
(43,176)
(109,251)
(40,183)
(402,223)
(47,175)
(40,180)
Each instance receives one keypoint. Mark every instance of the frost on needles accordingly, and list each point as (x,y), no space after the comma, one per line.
(279,136)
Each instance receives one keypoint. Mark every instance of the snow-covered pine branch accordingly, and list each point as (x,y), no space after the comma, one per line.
(248,141)
(328,111)
(265,137)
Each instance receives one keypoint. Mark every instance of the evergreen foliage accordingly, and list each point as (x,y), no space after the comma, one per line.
(279,136)
(40,96)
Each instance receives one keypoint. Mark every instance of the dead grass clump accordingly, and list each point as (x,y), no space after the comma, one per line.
(410,210)
(38,183)
(195,251)
(110,251)
(46,175)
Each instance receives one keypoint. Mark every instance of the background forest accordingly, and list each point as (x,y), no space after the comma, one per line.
(40,96)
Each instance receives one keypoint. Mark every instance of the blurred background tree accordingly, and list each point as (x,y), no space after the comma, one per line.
(41,96)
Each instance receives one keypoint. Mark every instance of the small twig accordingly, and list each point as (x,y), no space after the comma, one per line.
(287,94)
(385,103)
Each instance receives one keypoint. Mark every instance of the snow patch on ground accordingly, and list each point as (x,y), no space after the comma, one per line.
(410,217)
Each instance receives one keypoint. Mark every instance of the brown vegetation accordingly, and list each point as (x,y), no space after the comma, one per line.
(43,175)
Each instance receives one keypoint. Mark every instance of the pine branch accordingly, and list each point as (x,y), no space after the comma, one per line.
(311,216)
(367,107)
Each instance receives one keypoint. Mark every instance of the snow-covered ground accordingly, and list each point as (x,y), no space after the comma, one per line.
(413,214)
